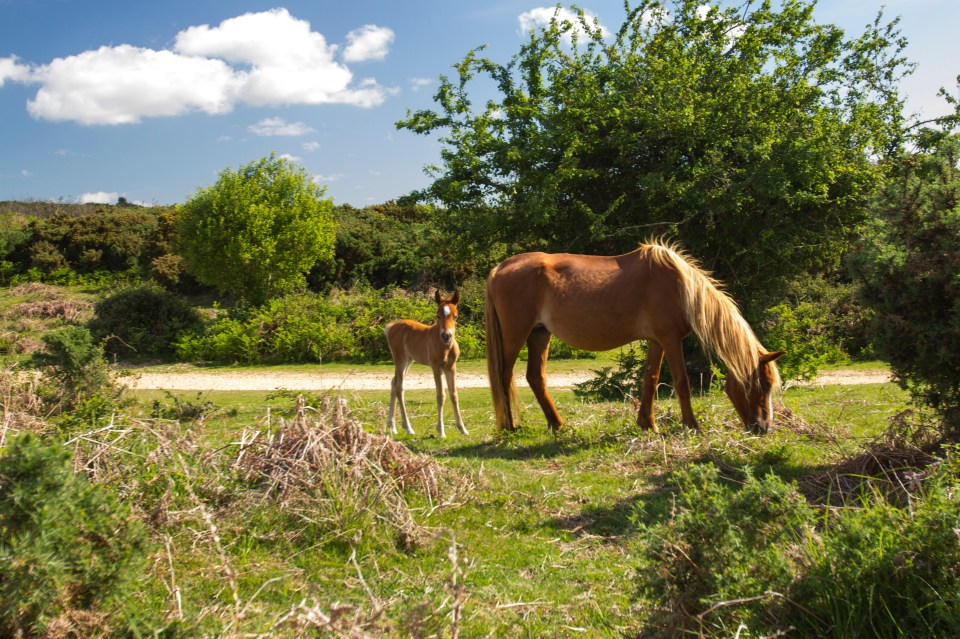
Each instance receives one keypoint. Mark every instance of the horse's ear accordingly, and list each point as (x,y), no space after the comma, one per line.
(437,297)
(456,297)
(766,358)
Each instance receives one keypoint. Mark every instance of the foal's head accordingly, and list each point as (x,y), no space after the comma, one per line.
(447,315)
(753,398)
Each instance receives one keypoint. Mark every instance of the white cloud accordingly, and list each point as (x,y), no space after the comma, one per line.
(310,147)
(100,197)
(279,127)
(541,17)
(420,83)
(12,70)
(318,178)
(121,85)
(289,158)
(267,58)
(369,42)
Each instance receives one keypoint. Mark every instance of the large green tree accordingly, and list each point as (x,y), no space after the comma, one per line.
(258,230)
(749,134)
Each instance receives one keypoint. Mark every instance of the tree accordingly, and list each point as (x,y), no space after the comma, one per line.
(910,268)
(748,135)
(257,231)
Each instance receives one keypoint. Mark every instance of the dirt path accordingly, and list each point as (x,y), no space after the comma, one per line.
(240,380)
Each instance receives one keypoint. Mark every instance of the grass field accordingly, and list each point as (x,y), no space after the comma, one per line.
(526,535)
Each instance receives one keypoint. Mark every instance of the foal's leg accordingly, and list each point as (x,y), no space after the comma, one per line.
(651,378)
(538,348)
(438,380)
(451,375)
(396,395)
(681,383)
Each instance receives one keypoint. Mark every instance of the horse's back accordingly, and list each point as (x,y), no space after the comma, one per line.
(588,301)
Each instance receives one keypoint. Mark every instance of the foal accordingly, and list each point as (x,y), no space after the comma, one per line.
(434,346)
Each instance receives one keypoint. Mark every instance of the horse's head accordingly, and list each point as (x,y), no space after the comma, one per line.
(447,315)
(753,399)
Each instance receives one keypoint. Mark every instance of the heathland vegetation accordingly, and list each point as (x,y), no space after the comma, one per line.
(773,149)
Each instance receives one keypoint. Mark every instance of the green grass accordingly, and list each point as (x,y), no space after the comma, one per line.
(533,534)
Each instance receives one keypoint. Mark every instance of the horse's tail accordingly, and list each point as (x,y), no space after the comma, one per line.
(504,394)
(713,315)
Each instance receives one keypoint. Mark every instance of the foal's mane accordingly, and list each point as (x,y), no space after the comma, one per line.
(712,313)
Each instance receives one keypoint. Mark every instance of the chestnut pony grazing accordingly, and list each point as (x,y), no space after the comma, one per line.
(597,303)
(433,345)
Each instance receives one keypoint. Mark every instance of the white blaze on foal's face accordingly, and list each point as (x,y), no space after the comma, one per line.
(449,323)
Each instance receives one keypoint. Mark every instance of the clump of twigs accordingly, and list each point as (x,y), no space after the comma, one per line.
(894,464)
(324,468)
(22,406)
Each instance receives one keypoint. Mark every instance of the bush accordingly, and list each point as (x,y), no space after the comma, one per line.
(724,543)
(65,545)
(74,364)
(143,320)
(909,265)
(309,328)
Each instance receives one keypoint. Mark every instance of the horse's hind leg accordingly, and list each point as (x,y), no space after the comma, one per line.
(651,379)
(538,348)
(451,375)
(681,382)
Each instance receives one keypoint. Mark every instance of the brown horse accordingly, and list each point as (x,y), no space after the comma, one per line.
(435,346)
(598,303)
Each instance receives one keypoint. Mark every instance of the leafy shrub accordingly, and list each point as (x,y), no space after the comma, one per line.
(306,327)
(909,265)
(143,320)
(885,571)
(74,365)
(724,543)
(65,545)
(616,383)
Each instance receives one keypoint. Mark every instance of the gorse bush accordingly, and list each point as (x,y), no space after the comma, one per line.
(66,545)
(73,366)
(142,320)
(753,555)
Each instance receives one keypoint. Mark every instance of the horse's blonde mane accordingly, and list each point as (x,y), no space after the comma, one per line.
(712,313)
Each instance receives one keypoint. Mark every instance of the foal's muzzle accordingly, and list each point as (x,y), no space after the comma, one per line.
(446,337)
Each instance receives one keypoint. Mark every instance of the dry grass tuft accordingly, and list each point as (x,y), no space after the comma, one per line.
(22,408)
(895,465)
(307,445)
(70,311)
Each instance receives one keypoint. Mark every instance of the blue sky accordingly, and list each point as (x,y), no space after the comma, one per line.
(150,100)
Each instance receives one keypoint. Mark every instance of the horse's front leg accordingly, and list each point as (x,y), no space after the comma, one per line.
(651,379)
(681,382)
(451,375)
(438,380)
(396,395)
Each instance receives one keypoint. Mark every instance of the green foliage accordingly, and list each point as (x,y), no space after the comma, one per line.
(389,246)
(74,364)
(257,231)
(909,266)
(727,543)
(613,384)
(142,320)
(803,331)
(745,133)
(66,546)
(887,571)
(310,328)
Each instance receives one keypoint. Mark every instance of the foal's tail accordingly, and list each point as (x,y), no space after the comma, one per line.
(504,394)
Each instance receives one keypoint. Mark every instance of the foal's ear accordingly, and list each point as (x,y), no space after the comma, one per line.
(438,297)
(456,297)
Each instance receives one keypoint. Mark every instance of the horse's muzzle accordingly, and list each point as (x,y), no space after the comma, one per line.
(760,428)
(446,337)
